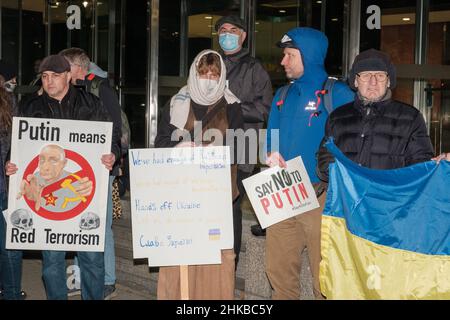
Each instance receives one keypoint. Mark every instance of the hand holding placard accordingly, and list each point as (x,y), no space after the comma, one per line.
(277,194)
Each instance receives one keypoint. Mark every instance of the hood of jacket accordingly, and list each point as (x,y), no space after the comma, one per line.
(313,46)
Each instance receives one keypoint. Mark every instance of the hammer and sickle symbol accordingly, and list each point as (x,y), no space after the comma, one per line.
(67,184)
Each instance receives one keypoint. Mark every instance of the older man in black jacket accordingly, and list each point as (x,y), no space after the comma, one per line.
(376,131)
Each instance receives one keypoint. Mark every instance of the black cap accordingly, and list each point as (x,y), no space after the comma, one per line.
(286,42)
(372,60)
(7,71)
(55,63)
(234,20)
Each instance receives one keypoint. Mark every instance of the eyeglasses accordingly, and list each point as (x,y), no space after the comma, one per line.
(365,77)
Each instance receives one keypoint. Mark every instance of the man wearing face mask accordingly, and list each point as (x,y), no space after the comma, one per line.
(375,130)
(249,81)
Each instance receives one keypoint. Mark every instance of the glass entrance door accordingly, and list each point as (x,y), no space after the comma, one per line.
(439,99)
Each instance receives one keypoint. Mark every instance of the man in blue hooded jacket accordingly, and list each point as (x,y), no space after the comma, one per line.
(300,118)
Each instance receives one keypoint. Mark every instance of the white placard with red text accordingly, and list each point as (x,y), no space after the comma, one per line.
(277,194)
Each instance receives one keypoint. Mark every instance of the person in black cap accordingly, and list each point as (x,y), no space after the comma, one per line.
(376,131)
(250,82)
(60,100)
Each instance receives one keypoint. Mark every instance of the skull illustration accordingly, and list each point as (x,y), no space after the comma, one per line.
(89,221)
(21,218)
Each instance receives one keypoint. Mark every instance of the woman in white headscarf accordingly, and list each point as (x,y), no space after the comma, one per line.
(205,98)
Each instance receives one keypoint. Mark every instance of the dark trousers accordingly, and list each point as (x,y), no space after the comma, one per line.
(92,270)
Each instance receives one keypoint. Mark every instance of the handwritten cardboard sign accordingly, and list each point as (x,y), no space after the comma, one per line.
(181,205)
(46,209)
(277,194)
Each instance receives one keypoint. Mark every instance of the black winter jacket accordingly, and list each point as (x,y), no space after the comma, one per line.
(251,84)
(76,105)
(382,135)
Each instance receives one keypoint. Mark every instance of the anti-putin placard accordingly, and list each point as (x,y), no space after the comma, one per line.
(277,194)
(57,199)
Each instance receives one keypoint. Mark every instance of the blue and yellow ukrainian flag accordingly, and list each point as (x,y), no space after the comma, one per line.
(386,233)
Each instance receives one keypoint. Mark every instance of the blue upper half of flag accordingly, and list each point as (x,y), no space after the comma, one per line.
(407,208)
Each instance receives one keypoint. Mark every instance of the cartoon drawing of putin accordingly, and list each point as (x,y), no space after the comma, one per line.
(52,186)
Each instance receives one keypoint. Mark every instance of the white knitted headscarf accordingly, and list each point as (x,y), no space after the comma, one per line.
(180,103)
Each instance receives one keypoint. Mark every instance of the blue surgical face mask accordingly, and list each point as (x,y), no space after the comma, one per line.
(228,41)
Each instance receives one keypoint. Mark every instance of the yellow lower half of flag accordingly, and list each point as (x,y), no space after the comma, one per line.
(355,268)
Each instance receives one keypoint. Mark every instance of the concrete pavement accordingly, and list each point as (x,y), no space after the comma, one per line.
(33,284)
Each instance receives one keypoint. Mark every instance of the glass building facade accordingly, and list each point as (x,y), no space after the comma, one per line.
(147,45)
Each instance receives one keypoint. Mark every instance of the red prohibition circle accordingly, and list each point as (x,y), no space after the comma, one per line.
(86,171)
